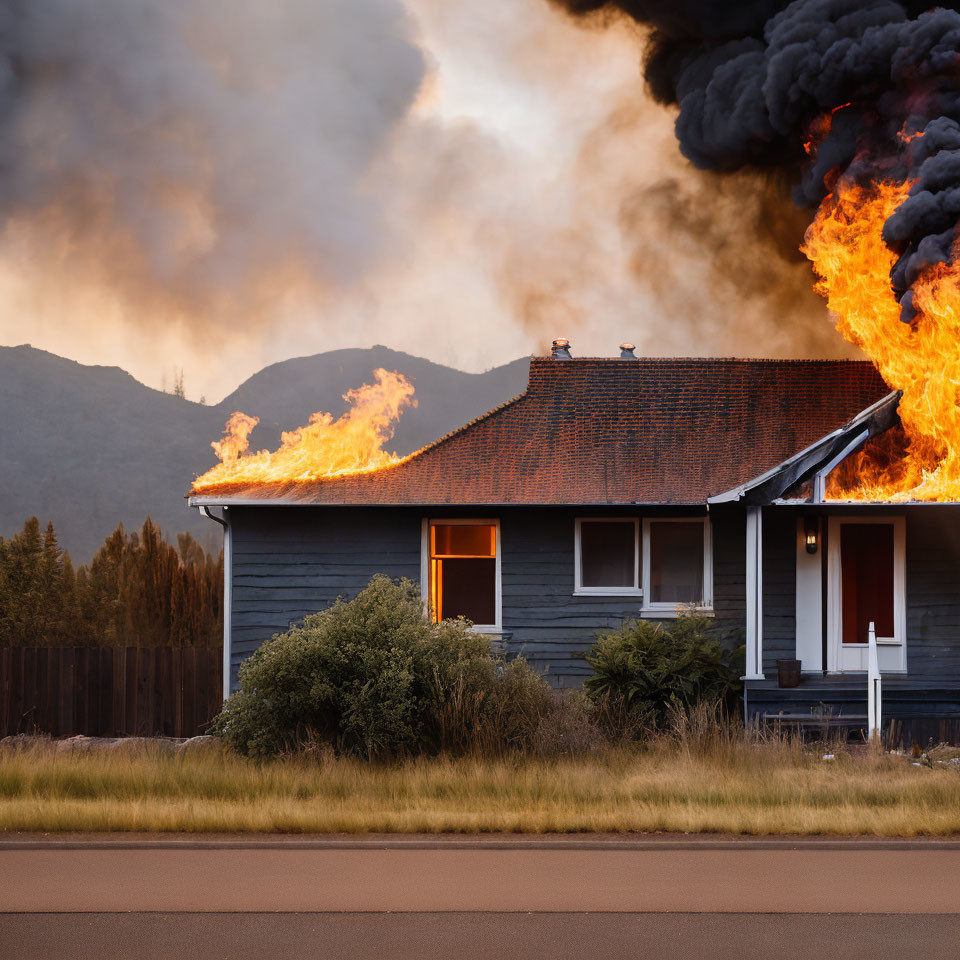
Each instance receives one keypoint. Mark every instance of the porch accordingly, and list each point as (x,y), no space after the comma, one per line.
(915,710)
(821,573)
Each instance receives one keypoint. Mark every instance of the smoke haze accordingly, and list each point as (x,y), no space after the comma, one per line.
(181,187)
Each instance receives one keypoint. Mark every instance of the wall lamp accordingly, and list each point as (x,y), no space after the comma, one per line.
(811,534)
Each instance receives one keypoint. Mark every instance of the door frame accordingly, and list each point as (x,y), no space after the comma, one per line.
(892,651)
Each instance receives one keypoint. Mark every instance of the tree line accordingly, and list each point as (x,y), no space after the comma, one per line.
(138,590)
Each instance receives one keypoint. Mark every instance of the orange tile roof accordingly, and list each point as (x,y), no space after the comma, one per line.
(605,431)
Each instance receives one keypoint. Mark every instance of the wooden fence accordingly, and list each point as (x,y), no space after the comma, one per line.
(109,691)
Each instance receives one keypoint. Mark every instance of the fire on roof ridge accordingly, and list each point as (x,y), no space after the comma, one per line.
(417,468)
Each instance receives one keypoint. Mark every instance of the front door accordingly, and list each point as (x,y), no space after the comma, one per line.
(866,583)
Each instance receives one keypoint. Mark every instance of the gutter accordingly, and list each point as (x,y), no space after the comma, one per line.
(227,589)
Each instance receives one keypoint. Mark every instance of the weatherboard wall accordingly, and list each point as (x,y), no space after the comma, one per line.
(933,592)
(292,561)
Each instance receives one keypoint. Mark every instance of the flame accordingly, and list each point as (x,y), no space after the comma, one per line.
(323,449)
(235,442)
(846,248)
(905,137)
(817,131)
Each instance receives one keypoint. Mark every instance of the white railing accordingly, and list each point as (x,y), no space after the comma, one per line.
(874,690)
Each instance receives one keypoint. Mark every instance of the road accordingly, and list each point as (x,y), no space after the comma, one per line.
(441,897)
(477,936)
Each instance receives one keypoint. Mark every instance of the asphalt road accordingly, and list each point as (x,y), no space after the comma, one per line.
(435,875)
(425,898)
(478,936)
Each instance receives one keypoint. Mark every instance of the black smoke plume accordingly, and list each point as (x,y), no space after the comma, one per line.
(753,79)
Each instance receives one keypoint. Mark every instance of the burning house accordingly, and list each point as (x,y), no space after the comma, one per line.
(614,489)
(796,501)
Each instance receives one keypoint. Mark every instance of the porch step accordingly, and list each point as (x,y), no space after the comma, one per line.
(933,700)
(812,720)
(901,731)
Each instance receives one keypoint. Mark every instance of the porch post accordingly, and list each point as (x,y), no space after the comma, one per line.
(224,522)
(874,695)
(227,603)
(754,667)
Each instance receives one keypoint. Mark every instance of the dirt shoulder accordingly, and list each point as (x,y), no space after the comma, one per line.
(458,841)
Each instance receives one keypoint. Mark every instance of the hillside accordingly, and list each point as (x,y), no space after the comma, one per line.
(89,447)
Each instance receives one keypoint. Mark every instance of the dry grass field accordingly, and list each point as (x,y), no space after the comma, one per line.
(699,779)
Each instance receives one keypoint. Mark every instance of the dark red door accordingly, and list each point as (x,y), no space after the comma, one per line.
(866,554)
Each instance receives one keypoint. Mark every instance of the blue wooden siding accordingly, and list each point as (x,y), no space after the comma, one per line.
(933,592)
(291,561)
(779,586)
(550,626)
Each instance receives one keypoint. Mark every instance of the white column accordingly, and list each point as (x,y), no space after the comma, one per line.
(754,594)
(874,695)
(808,606)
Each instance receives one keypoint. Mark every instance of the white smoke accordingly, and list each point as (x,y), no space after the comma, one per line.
(218,186)
(199,154)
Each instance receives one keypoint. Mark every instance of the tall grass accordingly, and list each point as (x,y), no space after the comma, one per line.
(699,776)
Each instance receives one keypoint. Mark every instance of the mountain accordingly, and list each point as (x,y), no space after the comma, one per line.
(89,447)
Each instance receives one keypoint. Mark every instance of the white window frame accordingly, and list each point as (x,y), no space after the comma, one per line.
(425,566)
(665,609)
(641,567)
(581,591)
(835,642)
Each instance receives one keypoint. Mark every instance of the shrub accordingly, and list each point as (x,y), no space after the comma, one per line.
(372,677)
(571,725)
(645,671)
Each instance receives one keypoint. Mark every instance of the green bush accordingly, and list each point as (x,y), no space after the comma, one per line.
(646,671)
(372,677)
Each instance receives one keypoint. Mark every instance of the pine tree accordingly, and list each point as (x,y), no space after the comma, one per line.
(50,587)
(101,606)
(21,619)
(71,625)
(138,590)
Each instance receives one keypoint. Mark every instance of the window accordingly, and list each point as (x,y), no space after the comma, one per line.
(676,562)
(666,561)
(463,571)
(607,556)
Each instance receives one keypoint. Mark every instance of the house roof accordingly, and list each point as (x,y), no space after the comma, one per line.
(611,431)
(817,459)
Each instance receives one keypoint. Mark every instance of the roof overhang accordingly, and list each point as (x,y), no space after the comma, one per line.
(227,501)
(818,459)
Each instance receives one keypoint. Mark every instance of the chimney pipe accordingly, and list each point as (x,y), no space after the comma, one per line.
(561,349)
(626,351)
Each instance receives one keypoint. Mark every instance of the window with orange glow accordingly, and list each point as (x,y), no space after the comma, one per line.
(463,572)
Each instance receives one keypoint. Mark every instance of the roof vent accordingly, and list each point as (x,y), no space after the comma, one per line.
(626,351)
(561,349)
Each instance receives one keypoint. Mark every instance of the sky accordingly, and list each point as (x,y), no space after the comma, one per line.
(461,181)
